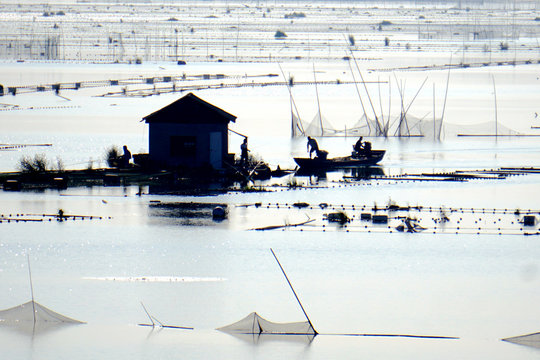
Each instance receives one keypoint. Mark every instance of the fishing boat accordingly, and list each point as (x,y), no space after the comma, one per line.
(341,162)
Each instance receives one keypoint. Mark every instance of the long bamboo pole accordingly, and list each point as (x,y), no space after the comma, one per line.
(31,289)
(294,292)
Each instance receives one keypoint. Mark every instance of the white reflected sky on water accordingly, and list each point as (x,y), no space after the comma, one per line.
(478,287)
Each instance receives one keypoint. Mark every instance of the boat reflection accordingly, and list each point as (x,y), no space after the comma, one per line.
(305,339)
(353,172)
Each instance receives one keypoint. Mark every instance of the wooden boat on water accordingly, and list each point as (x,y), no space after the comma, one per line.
(360,160)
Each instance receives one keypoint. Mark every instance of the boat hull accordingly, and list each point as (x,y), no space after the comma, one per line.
(341,162)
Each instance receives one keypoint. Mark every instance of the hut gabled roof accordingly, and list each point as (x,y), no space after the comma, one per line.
(190,109)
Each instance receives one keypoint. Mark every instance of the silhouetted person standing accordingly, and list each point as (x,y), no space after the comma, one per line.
(244,153)
(312,146)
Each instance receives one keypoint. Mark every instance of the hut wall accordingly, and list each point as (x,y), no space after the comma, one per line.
(191,145)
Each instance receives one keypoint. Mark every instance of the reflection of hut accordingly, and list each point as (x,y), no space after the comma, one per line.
(189,132)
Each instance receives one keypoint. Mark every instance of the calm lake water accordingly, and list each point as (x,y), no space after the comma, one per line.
(189,270)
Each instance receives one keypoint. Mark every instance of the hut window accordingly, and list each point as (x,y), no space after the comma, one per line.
(183,145)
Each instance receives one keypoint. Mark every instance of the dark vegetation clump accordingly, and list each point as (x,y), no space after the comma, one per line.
(112,155)
(293,184)
(280,35)
(33,165)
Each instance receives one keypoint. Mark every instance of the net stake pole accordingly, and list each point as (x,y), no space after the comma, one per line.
(149,316)
(294,292)
(31,289)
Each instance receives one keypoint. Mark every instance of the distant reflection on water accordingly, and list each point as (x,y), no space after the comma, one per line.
(187,214)
(267,338)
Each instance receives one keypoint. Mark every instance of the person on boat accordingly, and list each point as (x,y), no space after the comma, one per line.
(367,148)
(244,153)
(359,146)
(124,159)
(312,146)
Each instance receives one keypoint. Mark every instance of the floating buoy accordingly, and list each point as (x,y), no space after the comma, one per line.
(219,213)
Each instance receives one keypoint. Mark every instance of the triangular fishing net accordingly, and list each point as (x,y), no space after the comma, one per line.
(402,126)
(411,125)
(32,312)
(532,340)
(366,127)
(432,129)
(319,126)
(254,324)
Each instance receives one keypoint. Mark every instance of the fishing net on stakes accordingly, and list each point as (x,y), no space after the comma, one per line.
(255,324)
(532,340)
(33,312)
(33,318)
(415,126)
(366,127)
(319,126)
(430,129)
(400,126)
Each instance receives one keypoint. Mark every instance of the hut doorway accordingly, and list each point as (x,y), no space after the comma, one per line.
(215,149)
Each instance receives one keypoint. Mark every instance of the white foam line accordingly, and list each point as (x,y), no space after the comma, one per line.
(155,278)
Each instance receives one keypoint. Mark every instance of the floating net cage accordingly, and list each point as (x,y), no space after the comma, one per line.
(255,324)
